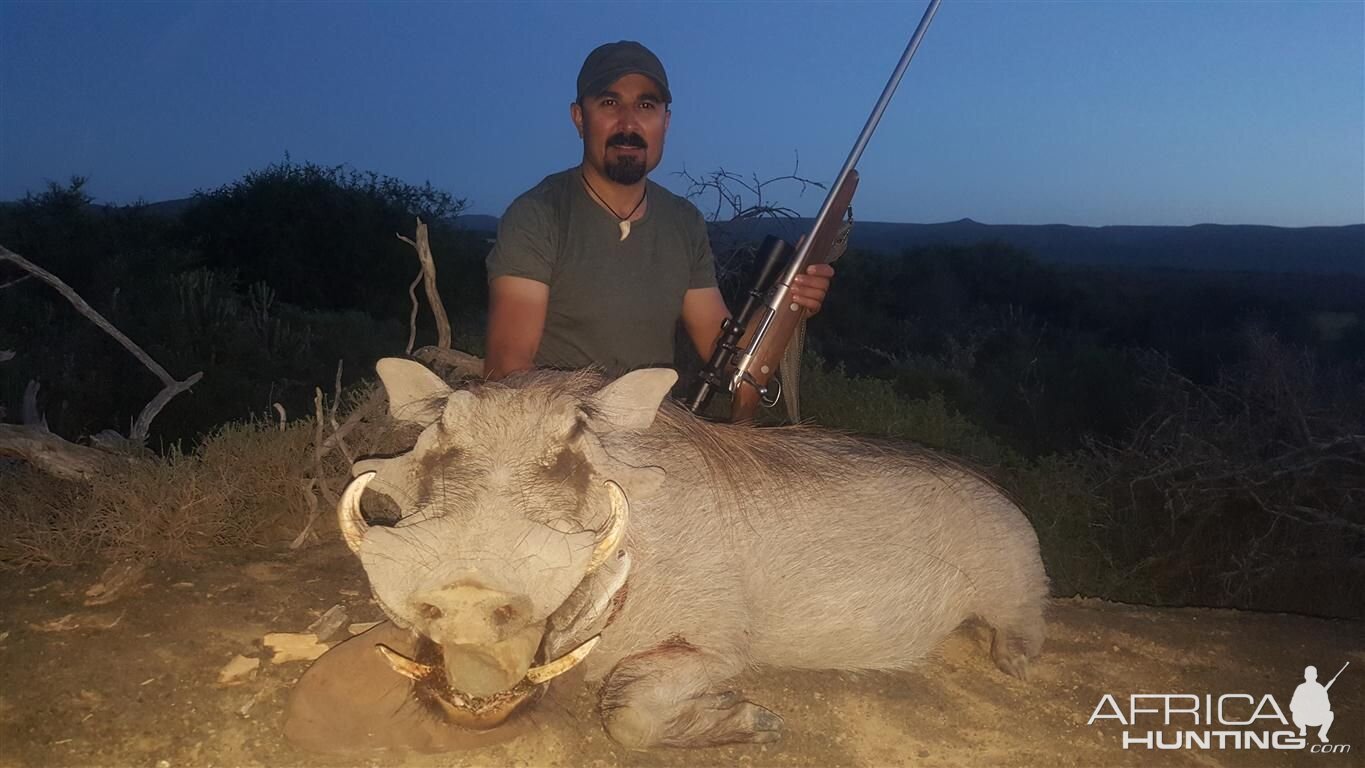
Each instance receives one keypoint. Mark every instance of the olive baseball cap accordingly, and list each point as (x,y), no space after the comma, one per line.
(608,63)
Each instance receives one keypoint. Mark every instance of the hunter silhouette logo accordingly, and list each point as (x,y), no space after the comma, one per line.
(1310,705)
(1229,721)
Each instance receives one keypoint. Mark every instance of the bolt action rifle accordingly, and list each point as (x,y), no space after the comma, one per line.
(751,344)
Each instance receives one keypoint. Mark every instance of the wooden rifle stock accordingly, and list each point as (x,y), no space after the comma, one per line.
(766,356)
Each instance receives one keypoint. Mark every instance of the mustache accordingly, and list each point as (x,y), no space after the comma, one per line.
(634,140)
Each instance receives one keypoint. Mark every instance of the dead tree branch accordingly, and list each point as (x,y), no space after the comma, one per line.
(412,316)
(738,198)
(57,457)
(723,183)
(423,247)
(15,281)
(170,387)
(450,363)
(372,406)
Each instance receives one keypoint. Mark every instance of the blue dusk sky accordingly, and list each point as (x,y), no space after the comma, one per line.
(1095,112)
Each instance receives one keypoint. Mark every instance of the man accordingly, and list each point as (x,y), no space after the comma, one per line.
(596,264)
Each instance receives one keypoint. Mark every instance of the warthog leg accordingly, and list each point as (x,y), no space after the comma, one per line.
(1017,637)
(663,697)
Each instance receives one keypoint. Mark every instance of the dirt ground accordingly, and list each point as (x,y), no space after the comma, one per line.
(135,683)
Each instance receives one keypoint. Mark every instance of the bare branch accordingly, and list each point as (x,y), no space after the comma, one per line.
(450,363)
(438,310)
(171,387)
(730,188)
(371,407)
(56,456)
(332,416)
(15,281)
(144,420)
(412,317)
(318,422)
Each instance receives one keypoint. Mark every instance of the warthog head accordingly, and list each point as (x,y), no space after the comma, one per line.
(511,519)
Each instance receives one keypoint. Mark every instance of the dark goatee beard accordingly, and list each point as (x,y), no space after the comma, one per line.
(627,170)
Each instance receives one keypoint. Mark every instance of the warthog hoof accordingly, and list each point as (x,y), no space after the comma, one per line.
(766,724)
(1011,654)
(661,698)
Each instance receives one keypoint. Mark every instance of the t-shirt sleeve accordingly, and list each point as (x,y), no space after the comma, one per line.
(703,262)
(525,246)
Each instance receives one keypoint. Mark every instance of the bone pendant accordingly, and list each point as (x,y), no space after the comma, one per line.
(625,229)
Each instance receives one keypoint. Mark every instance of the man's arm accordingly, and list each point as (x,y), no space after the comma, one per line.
(703,311)
(516,321)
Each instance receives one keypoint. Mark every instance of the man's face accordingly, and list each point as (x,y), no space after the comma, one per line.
(623,128)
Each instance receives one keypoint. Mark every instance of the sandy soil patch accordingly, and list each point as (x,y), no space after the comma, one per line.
(136,682)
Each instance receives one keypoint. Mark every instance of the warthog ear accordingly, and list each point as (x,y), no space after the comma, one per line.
(415,393)
(632,401)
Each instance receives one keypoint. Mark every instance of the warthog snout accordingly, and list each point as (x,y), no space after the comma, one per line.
(467,614)
(484,635)
(483,670)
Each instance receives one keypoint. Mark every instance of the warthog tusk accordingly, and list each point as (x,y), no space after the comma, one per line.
(414,670)
(349,519)
(548,672)
(616,533)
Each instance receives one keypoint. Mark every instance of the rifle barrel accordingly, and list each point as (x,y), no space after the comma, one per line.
(778,296)
(858,146)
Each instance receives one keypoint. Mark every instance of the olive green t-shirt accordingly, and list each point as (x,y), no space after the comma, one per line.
(613,303)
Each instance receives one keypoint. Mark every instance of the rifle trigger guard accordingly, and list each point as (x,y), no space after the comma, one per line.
(763,392)
(777,395)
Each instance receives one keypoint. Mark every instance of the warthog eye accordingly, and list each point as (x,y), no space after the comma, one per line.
(379,509)
(429,612)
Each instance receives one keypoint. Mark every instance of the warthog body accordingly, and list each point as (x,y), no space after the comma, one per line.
(795,548)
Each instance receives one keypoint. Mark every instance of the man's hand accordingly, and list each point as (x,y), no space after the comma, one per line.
(809,289)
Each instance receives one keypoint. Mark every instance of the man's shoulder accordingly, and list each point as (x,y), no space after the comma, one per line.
(549,194)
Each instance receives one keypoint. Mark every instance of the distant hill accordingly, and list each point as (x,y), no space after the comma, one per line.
(1313,250)
(477,222)
(1240,247)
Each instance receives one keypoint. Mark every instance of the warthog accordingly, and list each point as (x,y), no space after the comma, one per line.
(556,518)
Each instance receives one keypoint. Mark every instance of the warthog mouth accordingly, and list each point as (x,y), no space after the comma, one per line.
(478,713)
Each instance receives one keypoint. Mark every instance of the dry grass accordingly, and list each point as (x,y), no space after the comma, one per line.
(244,485)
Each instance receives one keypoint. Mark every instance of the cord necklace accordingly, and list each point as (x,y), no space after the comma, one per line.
(622,221)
